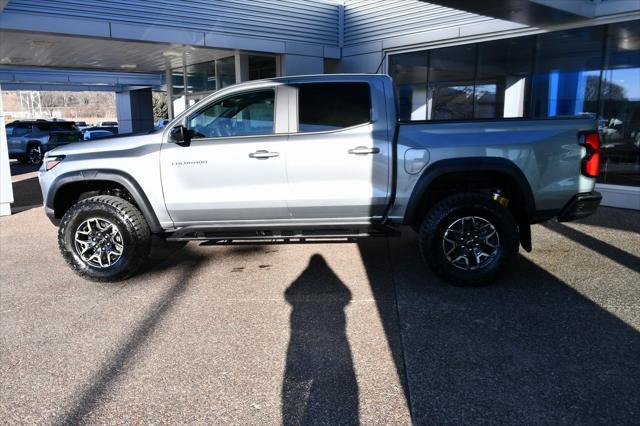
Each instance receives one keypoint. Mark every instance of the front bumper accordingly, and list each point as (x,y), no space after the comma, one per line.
(580,206)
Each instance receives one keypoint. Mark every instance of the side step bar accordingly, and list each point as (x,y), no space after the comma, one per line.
(298,236)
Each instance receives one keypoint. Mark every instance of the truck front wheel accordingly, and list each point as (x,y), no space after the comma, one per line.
(468,239)
(104,238)
(34,154)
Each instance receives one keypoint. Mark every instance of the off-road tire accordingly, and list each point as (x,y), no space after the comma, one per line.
(448,211)
(131,224)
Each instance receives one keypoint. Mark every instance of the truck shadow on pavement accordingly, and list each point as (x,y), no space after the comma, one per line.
(26,195)
(529,349)
(89,397)
(605,249)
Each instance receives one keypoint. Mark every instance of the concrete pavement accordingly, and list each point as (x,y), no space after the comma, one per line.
(323,333)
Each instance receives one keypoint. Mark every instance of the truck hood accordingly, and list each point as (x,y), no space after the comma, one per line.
(109,145)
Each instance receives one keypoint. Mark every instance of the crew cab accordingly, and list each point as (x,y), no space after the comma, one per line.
(320,157)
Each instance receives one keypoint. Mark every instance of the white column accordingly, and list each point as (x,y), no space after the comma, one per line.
(514,97)
(6,190)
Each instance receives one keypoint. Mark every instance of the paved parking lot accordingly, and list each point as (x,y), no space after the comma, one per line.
(323,333)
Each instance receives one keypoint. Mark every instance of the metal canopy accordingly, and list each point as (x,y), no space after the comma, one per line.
(50,50)
(535,13)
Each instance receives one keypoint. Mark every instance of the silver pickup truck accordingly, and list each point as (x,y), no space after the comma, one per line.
(300,159)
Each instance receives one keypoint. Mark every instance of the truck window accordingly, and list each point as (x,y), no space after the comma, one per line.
(22,129)
(240,114)
(56,126)
(332,106)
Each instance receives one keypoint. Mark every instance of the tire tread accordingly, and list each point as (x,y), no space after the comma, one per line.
(126,211)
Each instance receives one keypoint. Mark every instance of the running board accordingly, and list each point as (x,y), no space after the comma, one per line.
(281,236)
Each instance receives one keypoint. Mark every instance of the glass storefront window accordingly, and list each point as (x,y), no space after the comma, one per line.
(620,110)
(177,82)
(201,77)
(261,67)
(591,71)
(503,77)
(567,74)
(226,71)
(410,81)
(451,83)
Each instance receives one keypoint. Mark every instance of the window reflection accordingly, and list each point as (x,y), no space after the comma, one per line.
(567,74)
(592,72)
(620,114)
(451,75)
(410,81)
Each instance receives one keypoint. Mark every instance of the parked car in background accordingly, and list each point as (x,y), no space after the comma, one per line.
(161,123)
(96,134)
(29,140)
(112,130)
(81,125)
(106,124)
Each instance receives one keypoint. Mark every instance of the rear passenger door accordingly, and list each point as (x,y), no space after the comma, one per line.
(338,151)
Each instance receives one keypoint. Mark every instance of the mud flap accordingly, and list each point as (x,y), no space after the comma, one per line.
(525,236)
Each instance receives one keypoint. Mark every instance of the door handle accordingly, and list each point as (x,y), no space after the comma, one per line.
(363,150)
(263,154)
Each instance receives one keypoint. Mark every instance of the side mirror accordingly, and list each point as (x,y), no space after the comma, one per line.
(180,135)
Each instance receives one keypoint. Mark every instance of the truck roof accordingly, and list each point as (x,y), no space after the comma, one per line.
(315,77)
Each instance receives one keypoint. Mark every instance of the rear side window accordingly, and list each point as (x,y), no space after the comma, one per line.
(57,126)
(332,106)
(22,129)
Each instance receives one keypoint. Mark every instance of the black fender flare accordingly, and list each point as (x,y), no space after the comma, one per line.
(31,142)
(475,164)
(108,175)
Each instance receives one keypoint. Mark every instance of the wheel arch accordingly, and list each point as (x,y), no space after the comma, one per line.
(75,183)
(494,168)
(30,143)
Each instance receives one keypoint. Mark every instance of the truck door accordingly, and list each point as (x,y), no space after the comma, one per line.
(233,170)
(338,152)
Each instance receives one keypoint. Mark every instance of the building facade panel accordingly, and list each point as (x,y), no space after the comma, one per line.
(291,20)
(366,21)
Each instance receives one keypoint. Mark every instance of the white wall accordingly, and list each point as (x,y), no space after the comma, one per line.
(6,189)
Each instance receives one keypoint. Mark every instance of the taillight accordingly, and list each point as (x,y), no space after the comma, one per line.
(591,162)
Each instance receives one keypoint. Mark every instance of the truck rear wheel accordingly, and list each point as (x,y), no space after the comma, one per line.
(468,239)
(104,238)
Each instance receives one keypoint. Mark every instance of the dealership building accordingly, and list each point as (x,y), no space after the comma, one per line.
(450,59)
